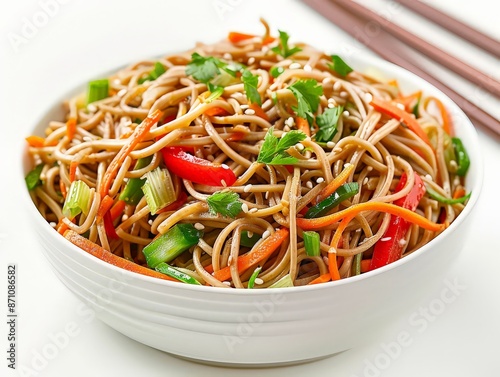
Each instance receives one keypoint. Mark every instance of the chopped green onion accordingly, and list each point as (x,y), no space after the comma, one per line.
(171,244)
(247,241)
(463,158)
(339,66)
(132,192)
(157,71)
(356,266)
(158,189)
(442,199)
(312,243)
(344,192)
(176,274)
(284,282)
(251,281)
(77,200)
(216,92)
(97,90)
(276,71)
(33,177)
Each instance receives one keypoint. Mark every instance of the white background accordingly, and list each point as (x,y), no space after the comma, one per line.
(80,40)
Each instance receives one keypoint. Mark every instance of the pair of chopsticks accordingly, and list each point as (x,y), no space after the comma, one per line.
(384,38)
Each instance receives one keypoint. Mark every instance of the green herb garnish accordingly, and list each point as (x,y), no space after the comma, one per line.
(327,123)
(250,83)
(225,203)
(273,151)
(283,49)
(307,93)
(339,66)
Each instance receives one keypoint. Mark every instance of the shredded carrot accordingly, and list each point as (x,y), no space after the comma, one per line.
(332,253)
(303,125)
(365,265)
(401,115)
(61,227)
(257,254)
(62,187)
(103,254)
(445,117)
(72,170)
(236,136)
(71,128)
(335,184)
(268,39)
(236,37)
(409,101)
(459,192)
(410,216)
(117,209)
(258,111)
(325,278)
(139,134)
(216,111)
(126,135)
(104,207)
(35,141)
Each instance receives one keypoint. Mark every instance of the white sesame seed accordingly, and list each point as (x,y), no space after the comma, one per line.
(252,210)
(300,146)
(400,105)
(332,250)
(365,181)
(331,100)
(320,180)
(309,184)
(402,242)
(124,218)
(199,226)
(251,60)
(428,176)
(244,207)
(326,80)
(344,94)
(121,93)
(456,181)
(92,108)
(249,234)
(294,65)
(52,224)
(244,107)
(385,239)
(453,164)
(86,138)
(290,121)
(228,56)
(228,283)
(307,68)
(264,49)
(337,150)
(258,281)
(267,195)
(330,145)
(286,129)
(224,166)
(346,113)
(250,112)
(150,222)
(229,260)
(266,234)
(247,188)
(337,86)
(369,168)
(331,105)
(117,81)
(368,97)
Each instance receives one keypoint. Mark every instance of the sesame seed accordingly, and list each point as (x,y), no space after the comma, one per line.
(286,129)
(330,145)
(228,283)
(309,184)
(52,224)
(307,68)
(402,242)
(199,226)
(258,281)
(243,107)
(228,56)
(229,260)
(456,181)
(264,49)
(320,180)
(369,168)
(368,97)
(300,146)
(453,165)
(117,81)
(121,93)
(337,86)
(266,234)
(247,188)
(244,207)
(92,108)
(400,105)
(294,65)
(290,121)
(346,113)
(251,60)
(124,218)
(385,239)
(326,80)
(252,210)
(86,138)
(332,250)
(428,176)
(365,181)
(344,94)
(249,234)
(331,105)
(250,112)
(150,222)
(267,195)
(224,166)
(337,150)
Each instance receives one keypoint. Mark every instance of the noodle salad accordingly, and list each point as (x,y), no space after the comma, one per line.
(250,163)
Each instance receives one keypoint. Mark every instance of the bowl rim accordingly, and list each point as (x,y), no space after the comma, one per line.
(358,59)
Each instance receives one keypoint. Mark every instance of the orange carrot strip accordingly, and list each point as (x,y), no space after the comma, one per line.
(72,170)
(268,39)
(117,210)
(103,254)
(303,125)
(459,192)
(258,111)
(401,115)
(410,216)
(139,134)
(236,136)
(216,111)
(332,252)
(325,278)
(365,265)
(236,37)
(71,128)
(61,227)
(334,185)
(63,189)
(35,141)
(409,101)
(447,125)
(262,251)
(104,207)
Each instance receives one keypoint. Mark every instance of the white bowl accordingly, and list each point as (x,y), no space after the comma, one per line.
(263,327)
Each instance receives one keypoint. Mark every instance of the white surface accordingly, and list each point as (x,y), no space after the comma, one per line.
(83,38)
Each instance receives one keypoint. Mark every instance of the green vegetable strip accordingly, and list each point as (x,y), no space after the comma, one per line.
(463,158)
(97,90)
(344,192)
(170,245)
(442,199)
(356,266)
(132,192)
(276,71)
(312,243)
(176,274)
(251,281)
(159,189)
(340,66)
(284,282)
(77,200)
(247,241)
(33,177)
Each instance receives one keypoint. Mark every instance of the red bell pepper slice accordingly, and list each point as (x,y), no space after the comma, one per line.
(389,248)
(195,169)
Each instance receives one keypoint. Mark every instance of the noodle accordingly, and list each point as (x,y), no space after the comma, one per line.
(230,130)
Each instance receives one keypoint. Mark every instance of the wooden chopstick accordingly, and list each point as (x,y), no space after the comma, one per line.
(392,50)
(458,28)
(439,56)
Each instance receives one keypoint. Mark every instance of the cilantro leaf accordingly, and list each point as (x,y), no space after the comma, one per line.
(339,66)
(307,93)
(33,177)
(225,203)
(250,83)
(203,68)
(283,49)
(273,151)
(327,123)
